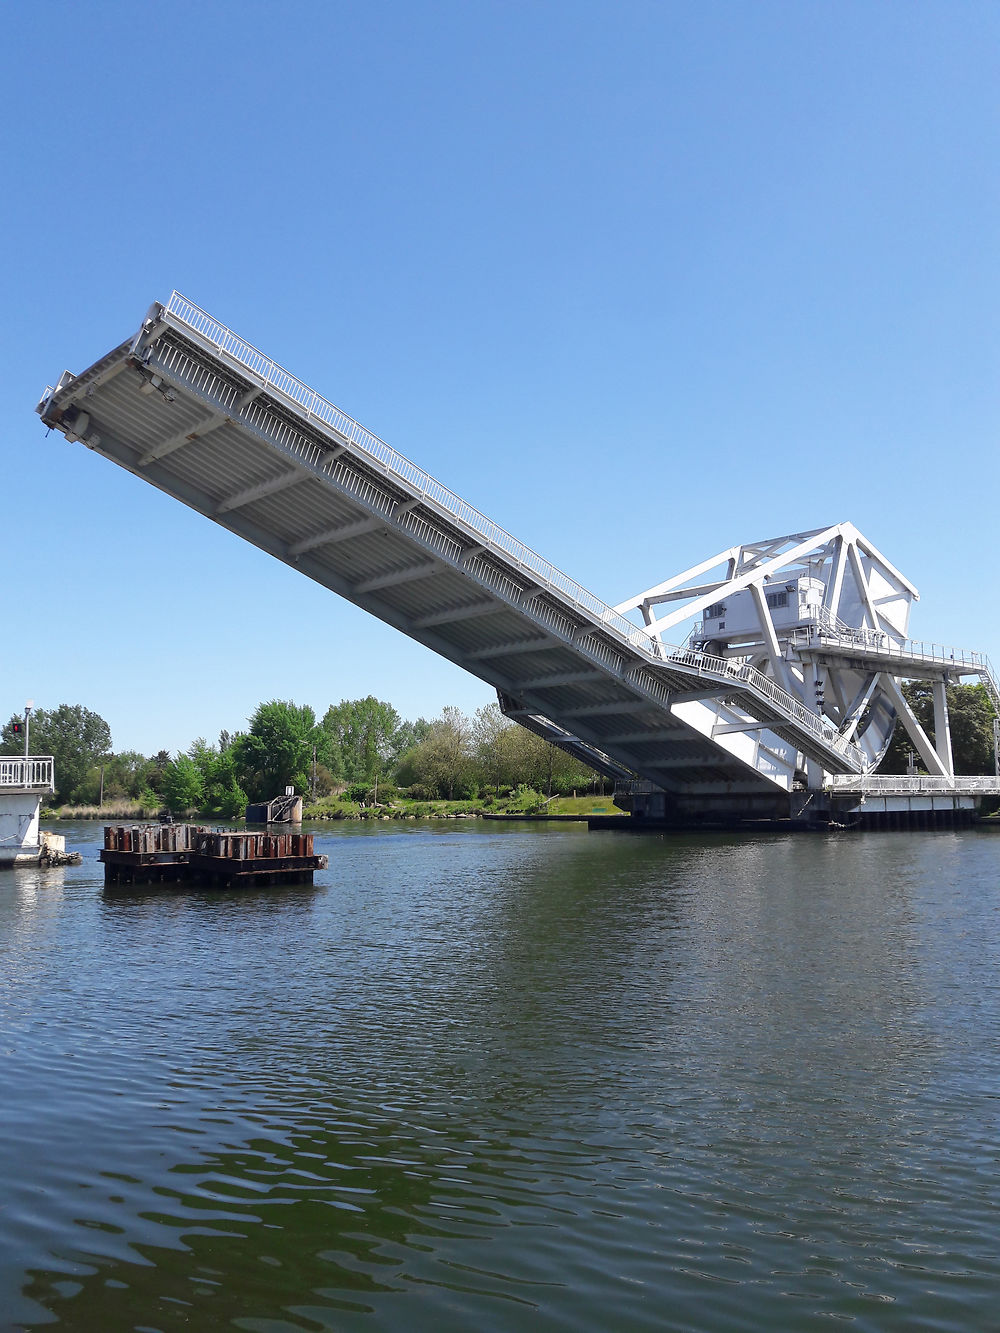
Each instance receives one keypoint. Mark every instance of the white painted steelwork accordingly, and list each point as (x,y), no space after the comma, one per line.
(200,413)
(35,773)
(910,785)
(24,780)
(825,614)
(876,642)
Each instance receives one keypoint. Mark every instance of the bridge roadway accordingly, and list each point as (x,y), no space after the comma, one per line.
(196,411)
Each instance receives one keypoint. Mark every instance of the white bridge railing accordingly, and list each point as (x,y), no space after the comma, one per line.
(913,785)
(492,536)
(879,644)
(35,773)
(877,641)
(884,784)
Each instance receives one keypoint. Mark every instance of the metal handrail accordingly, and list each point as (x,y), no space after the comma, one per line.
(826,617)
(636,787)
(915,783)
(988,678)
(230,344)
(880,642)
(34,772)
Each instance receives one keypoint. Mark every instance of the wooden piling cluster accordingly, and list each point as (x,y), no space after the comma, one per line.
(187,853)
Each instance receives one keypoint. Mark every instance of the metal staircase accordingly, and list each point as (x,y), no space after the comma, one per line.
(989,680)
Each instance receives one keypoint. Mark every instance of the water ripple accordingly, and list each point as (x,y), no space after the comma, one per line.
(495,1078)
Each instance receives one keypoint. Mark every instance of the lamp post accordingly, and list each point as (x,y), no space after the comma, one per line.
(27,723)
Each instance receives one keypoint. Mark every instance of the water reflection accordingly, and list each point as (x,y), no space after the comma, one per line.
(563,1080)
(30,888)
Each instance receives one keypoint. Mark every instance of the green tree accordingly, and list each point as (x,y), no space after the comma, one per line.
(361,739)
(183,785)
(277,750)
(544,767)
(509,755)
(201,752)
(157,767)
(409,736)
(128,773)
(223,796)
(77,738)
(219,793)
(496,747)
(124,776)
(445,761)
(970,718)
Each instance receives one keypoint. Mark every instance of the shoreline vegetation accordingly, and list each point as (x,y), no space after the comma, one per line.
(362,760)
(523,802)
(333,809)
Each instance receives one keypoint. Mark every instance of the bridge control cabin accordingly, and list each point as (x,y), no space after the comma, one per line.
(792,605)
(24,782)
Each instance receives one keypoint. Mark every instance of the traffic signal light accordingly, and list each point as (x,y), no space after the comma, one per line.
(18,728)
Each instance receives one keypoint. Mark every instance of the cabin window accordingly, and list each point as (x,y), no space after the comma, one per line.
(777,599)
(713,612)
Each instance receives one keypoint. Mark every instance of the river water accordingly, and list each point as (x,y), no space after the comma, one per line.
(488,1077)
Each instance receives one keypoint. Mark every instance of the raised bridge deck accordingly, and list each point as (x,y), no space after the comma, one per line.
(198,412)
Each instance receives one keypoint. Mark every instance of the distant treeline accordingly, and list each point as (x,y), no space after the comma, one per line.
(361,747)
(364,749)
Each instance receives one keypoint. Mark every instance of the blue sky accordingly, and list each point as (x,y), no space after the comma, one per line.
(639,280)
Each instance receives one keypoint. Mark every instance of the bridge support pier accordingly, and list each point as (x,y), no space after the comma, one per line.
(912,812)
(20,842)
(728,810)
(795,811)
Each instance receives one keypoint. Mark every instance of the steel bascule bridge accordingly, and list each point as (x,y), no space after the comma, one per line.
(778,703)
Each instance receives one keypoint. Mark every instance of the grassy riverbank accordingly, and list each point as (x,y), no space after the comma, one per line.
(518,804)
(337,807)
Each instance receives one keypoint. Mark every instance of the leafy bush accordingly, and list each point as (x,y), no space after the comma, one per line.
(419,791)
(526,800)
(150,802)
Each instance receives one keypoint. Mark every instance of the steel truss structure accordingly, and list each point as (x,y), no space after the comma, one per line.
(826,615)
(790,680)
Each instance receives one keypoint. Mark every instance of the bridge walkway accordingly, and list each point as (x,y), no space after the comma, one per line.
(873,649)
